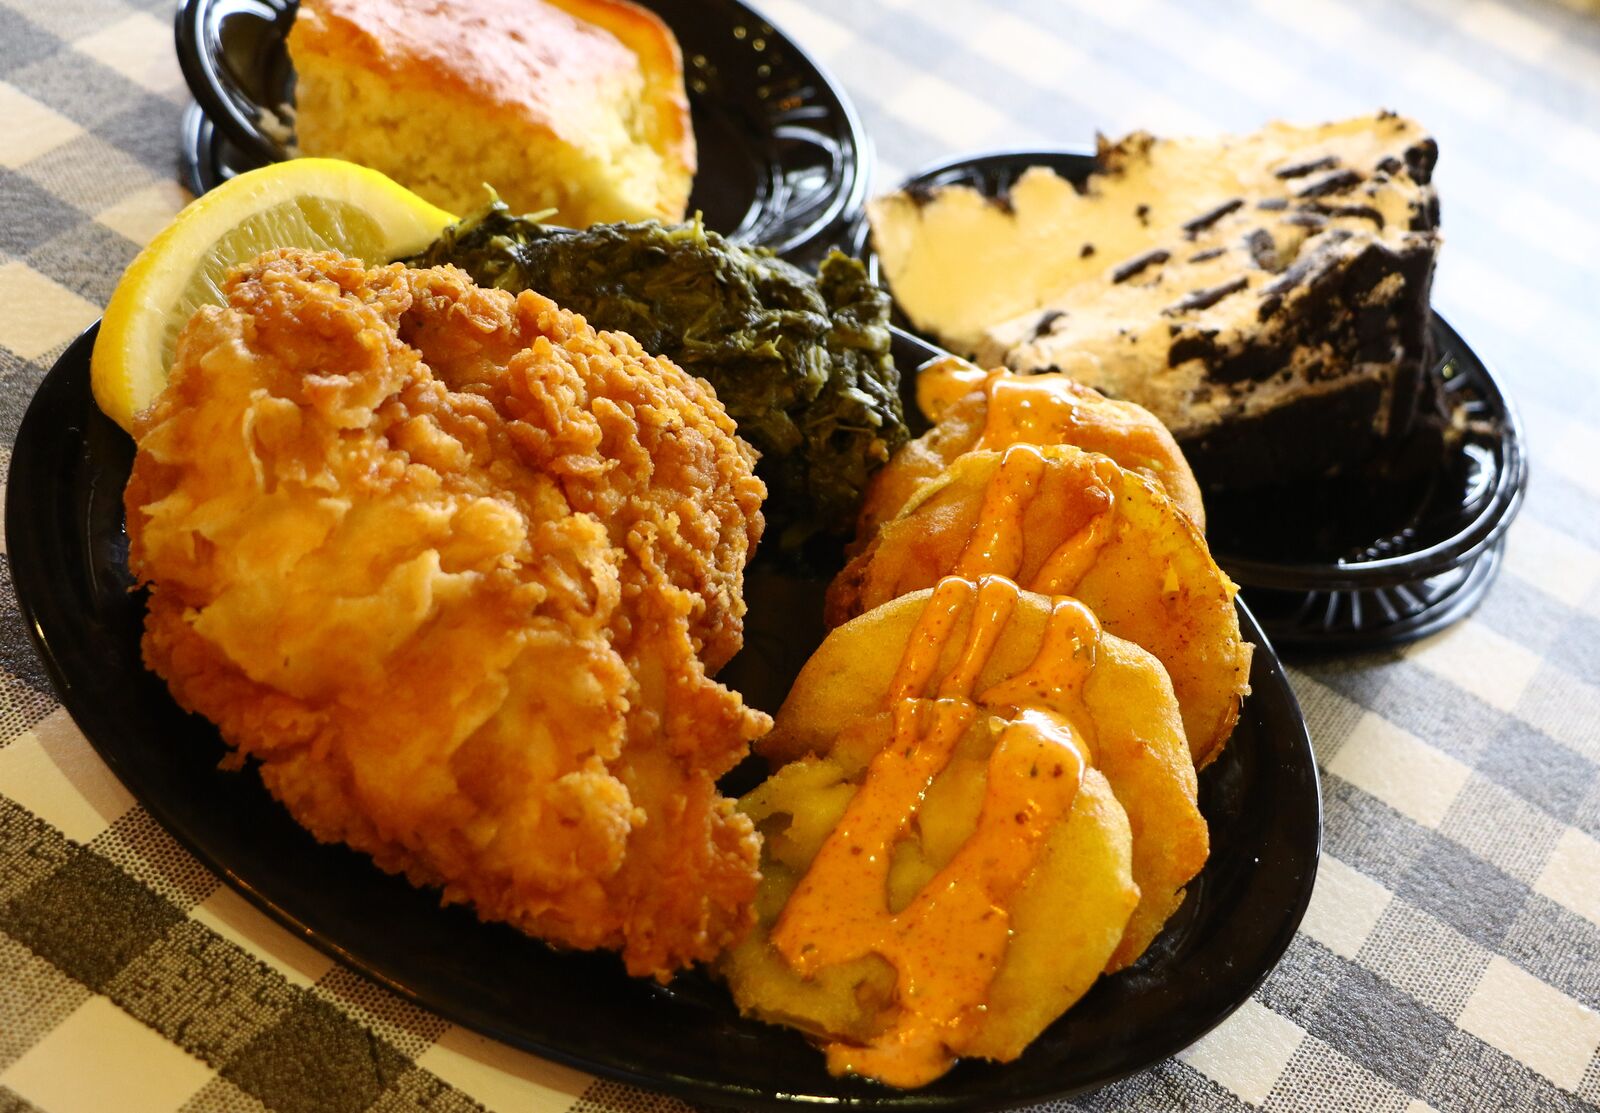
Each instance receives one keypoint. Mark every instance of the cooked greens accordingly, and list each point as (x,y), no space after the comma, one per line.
(802,364)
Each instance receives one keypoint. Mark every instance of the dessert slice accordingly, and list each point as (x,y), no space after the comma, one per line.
(1266,296)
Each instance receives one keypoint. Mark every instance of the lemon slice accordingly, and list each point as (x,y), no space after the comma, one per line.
(315,203)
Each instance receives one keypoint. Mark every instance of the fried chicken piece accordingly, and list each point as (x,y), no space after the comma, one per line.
(456,569)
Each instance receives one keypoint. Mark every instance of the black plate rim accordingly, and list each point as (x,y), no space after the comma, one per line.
(29,566)
(197,154)
(1451,606)
(1485,527)
(222,104)
(208,82)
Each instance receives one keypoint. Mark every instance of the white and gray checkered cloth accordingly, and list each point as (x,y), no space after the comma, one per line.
(1451,955)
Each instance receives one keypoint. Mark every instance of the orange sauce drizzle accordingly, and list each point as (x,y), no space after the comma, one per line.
(1038,409)
(1032,408)
(996,545)
(946,945)
(943,382)
(1062,569)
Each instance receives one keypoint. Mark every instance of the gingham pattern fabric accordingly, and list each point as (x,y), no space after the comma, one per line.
(1451,955)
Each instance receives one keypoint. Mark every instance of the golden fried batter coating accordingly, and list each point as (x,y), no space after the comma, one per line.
(975,409)
(455,568)
(919,752)
(1068,522)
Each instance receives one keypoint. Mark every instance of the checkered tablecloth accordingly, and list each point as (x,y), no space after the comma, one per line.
(1451,955)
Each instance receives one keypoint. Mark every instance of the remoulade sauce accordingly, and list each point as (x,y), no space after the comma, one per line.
(1051,408)
(996,545)
(947,944)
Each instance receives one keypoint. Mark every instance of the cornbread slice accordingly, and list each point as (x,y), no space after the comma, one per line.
(1265,296)
(576,105)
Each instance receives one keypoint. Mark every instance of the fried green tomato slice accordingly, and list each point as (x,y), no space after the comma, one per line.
(1043,723)
(1065,521)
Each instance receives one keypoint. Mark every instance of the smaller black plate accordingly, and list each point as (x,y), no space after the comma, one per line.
(1343,567)
(68,559)
(783,160)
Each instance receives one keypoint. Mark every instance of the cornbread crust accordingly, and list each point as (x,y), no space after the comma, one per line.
(586,96)
(643,32)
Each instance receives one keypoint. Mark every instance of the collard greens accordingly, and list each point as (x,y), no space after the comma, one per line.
(802,364)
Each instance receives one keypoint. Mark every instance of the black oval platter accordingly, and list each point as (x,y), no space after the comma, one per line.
(1386,568)
(783,160)
(68,551)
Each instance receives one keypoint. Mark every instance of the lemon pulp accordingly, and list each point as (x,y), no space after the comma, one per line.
(316,204)
(310,222)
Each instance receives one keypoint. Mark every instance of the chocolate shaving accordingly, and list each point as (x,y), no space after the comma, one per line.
(1337,182)
(1302,267)
(1306,219)
(1420,160)
(1301,169)
(1143,213)
(1263,249)
(1364,212)
(1086,250)
(1049,317)
(1208,253)
(1139,263)
(1205,299)
(1196,225)
(1273,204)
